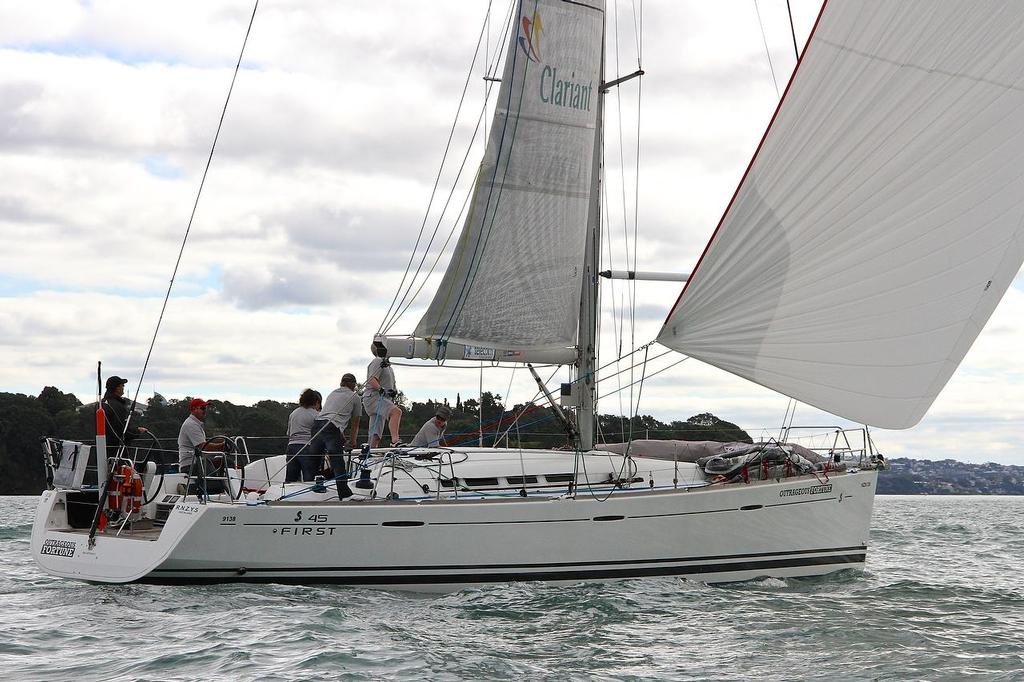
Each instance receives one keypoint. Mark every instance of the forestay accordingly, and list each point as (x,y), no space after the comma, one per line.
(514,279)
(879,222)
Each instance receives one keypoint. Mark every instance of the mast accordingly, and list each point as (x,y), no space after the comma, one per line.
(590,298)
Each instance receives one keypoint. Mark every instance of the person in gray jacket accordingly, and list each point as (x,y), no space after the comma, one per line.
(430,434)
(336,423)
(300,424)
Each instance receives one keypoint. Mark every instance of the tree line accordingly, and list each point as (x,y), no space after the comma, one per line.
(25,419)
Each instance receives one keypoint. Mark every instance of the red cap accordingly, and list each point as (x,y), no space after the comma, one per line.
(197,402)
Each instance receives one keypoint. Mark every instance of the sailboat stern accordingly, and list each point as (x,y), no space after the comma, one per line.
(61,545)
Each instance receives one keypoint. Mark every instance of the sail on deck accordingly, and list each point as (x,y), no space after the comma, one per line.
(515,276)
(880,221)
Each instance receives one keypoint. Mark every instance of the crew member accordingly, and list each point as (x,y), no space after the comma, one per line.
(429,435)
(379,397)
(115,409)
(192,436)
(340,416)
(300,423)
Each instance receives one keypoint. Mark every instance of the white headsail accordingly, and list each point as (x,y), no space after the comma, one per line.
(880,221)
(515,276)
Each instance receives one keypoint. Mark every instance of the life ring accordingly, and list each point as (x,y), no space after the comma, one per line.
(136,506)
(125,494)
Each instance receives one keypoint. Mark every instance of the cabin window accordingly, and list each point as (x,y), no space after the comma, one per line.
(478,482)
(520,480)
(559,478)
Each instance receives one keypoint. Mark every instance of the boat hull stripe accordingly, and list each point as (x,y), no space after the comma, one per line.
(563,564)
(284,575)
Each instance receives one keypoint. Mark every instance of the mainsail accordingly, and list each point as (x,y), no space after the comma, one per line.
(880,221)
(515,276)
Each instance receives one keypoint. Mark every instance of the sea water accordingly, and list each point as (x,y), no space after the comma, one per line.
(942,599)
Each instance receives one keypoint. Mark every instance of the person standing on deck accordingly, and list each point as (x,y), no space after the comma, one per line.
(300,424)
(341,414)
(379,397)
(429,435)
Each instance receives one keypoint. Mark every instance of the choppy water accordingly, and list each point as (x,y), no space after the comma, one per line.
(942,599)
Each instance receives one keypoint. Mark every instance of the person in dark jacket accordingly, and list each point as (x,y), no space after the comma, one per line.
(115,407)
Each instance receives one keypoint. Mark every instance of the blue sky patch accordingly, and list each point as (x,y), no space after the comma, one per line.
(162,167)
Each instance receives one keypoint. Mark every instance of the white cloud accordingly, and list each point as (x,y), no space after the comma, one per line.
(321,177)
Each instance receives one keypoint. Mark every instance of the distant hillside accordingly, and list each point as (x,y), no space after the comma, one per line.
(949,477)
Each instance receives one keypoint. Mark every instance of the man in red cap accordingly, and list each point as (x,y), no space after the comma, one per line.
(192,435)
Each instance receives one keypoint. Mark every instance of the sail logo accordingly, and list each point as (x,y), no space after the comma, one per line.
(555,90)
(564,92)
(529,37)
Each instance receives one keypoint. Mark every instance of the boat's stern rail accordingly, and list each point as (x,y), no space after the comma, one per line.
(71,476)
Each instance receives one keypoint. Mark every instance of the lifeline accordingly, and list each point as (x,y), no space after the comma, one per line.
(564,93)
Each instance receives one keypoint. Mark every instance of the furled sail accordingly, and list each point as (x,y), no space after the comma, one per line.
(880,220)
(514,279)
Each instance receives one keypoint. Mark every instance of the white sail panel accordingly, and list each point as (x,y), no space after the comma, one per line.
(880,221)
(515,274)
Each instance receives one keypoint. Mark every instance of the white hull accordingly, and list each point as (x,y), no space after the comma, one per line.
(799,526)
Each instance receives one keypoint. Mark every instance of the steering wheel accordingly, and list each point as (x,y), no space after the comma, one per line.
(160,465)
(230,449)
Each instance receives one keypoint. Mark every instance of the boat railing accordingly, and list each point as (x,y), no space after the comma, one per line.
(841,447)
(72,465)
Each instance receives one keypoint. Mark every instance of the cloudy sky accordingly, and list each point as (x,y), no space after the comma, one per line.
(322,175)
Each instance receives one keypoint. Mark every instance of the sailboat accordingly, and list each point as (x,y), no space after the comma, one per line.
(872,235)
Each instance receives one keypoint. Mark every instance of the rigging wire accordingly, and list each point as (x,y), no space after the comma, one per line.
(490,214)
(191,218)
(622,153)
(437,179)
(407,300)
(785,418)
(768,52)
(527,406)
(407,303)
(508,399)
(639,394)
(792,31)
(631,246)
(636,178)
(663,369)
(667,351)
(580,459)
(616,336)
